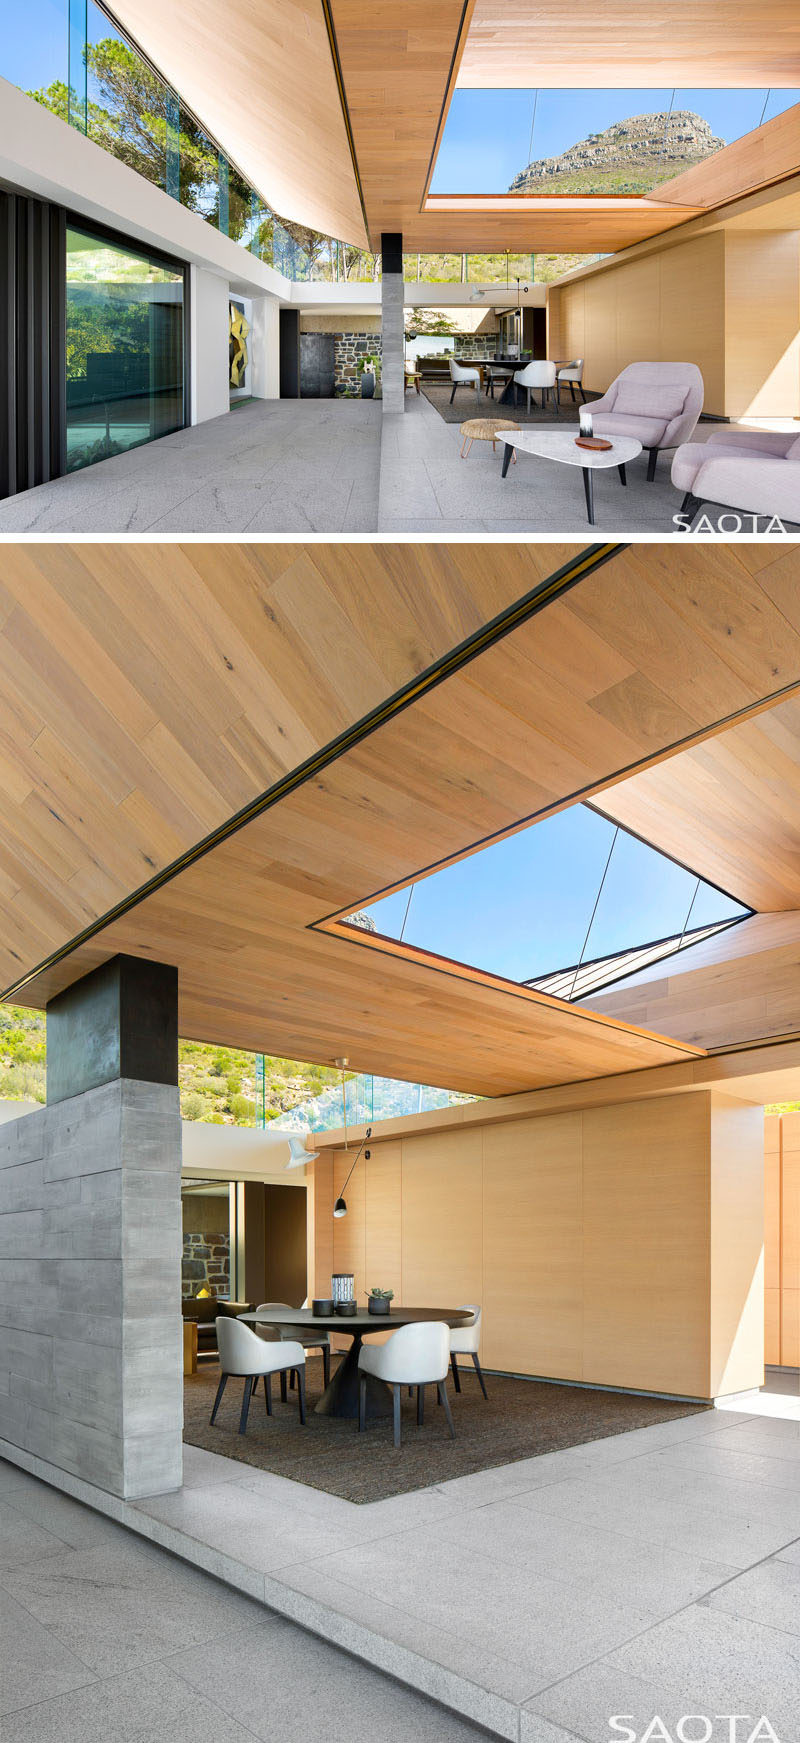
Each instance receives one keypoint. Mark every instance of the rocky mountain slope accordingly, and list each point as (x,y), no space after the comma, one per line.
(629,158)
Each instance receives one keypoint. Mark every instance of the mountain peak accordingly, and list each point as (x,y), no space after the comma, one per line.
(629,157)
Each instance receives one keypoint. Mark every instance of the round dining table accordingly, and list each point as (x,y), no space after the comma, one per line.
(340,1397)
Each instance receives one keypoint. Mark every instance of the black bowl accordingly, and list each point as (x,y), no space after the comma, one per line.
(346,1308)
(322,1309)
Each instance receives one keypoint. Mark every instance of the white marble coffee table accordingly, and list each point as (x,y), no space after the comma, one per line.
(560,445)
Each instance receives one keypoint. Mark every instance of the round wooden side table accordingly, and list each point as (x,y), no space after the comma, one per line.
(483,430)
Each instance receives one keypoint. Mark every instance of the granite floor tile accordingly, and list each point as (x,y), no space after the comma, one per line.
(263,1534)
(701,1661)
(516,1613)
(24,1540)
(258,1672)
(769,1593)
(115,1608)
(33,1665)
(672,1520)
(656,1578)
(156,1706)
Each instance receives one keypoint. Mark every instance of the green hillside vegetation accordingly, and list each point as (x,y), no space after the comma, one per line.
(217,1084)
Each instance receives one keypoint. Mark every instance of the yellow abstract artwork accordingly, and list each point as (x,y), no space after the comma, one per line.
(239,330)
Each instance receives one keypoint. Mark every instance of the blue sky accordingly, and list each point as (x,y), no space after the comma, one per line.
(487,133)
(522,907)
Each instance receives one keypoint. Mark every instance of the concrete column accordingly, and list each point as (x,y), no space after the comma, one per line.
(392,324)
(90,1241)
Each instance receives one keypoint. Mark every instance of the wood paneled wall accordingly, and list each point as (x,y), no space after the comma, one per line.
(762,323)
(620,1246)
(667,306)
(782,1240)
(728,301)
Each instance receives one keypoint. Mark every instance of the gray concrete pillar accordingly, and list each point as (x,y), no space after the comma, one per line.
(90,1241)
(392,323)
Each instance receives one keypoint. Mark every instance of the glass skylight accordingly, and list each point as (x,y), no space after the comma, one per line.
(567,891)
(495,141)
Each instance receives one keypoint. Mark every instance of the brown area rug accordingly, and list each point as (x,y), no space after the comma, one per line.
(464,406)
(521,1419)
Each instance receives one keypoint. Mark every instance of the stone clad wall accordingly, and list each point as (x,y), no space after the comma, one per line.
(206,1264)
(350,347)
(90,1249)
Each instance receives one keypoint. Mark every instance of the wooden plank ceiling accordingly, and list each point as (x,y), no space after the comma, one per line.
(512,44)
(262,80)
(140,706)
(737,986)
(769,154)
(730,808)
(398,71)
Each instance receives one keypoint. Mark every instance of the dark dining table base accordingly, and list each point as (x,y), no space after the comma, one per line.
(340,1397)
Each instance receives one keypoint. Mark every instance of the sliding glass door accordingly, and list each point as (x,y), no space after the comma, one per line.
(125,348)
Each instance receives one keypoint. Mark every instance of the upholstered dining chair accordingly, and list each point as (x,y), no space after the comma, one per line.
(571,374)
(310,1340)
(414,1355)
(539,376)
(251,1359)
(463,377)
(465,1340)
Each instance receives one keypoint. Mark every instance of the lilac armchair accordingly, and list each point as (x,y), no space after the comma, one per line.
(658,403)
(754,471)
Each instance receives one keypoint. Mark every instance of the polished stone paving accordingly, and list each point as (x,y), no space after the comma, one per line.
(653,1572)
(105,1637)
(338,467)
(275,466)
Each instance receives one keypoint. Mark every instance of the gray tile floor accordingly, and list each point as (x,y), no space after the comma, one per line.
(427,488)
(105,1637)
(654,1572)
(275,466)
(337,467)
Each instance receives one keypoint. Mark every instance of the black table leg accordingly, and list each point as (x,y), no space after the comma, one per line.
(622,477)
(506,457)
(340,1398)
(588,486)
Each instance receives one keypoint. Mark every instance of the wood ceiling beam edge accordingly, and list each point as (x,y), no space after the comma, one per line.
(263,80)
(448,966)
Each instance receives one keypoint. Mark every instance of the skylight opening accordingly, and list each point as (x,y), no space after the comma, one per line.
(566,905)
(619,143)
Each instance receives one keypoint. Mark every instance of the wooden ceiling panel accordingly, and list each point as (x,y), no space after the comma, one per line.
(262,80)
(729,808)
(398,72)
(514,45)
(648,651)
(741,985)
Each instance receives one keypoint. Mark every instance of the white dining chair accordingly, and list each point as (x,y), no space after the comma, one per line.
(541,376)
(414,1355)
(465,1340)
(245,1355)
(571,374)
(310,1340)
(463,377)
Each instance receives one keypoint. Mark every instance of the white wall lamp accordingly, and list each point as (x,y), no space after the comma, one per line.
(299,1155)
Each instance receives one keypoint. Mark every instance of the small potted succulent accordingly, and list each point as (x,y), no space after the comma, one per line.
(380,1300)
(368,368)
